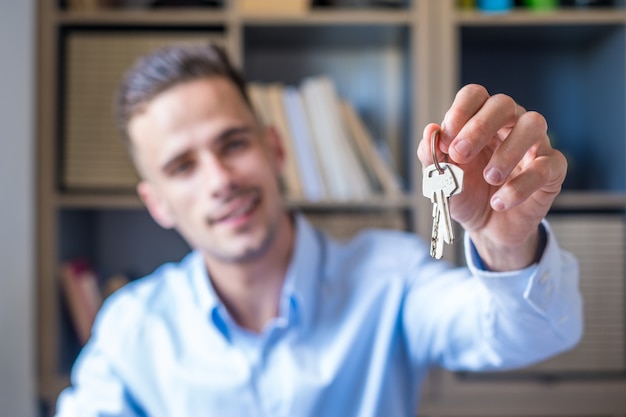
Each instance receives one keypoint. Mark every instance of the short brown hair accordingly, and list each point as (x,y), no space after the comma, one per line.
(166,68)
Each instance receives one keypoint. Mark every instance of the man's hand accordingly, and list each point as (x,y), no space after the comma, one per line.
(512,173)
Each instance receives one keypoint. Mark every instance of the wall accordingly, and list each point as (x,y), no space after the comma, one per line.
(17,191)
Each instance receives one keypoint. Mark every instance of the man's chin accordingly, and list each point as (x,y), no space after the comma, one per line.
(243,248)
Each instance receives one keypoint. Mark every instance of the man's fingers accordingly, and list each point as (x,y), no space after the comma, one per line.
(530,130)
(498,112)
(544,174)
(467,102)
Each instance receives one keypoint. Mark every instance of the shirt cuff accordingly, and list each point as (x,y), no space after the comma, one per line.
(474,259)
(535,285)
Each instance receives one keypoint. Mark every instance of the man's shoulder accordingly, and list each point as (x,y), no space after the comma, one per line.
(148,295)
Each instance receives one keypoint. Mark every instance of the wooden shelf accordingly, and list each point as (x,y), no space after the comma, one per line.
(131,201)
(164,17)
(590,200)
(326,17)
(98,201)
(186,16)
(567,200)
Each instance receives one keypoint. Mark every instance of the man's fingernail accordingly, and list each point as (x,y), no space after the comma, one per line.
(493,176)
(497,204)
(463,147)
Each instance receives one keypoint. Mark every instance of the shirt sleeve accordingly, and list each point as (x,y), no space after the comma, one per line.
(97,390)
(472,319)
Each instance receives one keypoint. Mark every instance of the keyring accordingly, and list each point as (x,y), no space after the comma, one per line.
(433,143)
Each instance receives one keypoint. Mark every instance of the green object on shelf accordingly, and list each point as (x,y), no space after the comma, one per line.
(542,4)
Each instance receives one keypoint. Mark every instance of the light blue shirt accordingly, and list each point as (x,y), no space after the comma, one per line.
(360,325)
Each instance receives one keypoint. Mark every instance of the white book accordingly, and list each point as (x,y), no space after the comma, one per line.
(306,154)
(354,168)
(345,176)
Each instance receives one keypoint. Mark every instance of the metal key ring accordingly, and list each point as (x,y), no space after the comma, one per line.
(433,143)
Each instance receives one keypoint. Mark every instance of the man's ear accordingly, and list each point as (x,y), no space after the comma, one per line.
(156,206)
(275,147)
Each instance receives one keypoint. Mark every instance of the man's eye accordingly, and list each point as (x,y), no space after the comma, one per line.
(182,168)
(235,145)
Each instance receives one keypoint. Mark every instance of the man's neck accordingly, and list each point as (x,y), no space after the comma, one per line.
(251,291)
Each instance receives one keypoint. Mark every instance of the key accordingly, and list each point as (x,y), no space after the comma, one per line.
(439,187)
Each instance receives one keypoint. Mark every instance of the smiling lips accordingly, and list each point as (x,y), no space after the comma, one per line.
(238,209)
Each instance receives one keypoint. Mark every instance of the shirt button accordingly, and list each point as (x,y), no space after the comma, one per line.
(564,319)
(545,277)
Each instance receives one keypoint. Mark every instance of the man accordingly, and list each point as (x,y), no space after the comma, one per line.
(269,317)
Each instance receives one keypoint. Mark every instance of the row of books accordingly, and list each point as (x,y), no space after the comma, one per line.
(330,152)
(84,293)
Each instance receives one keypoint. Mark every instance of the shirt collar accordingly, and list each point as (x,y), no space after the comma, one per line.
(304,273)
(203,290)
(300,289)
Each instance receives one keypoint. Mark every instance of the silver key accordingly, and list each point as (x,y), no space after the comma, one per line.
(436,186)
(439,187)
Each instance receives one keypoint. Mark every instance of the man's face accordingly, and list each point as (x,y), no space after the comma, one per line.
(209,170)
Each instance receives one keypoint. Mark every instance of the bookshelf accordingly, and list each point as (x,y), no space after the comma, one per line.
(419,54)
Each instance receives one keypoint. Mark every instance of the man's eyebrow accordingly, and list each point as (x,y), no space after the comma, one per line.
(233,131)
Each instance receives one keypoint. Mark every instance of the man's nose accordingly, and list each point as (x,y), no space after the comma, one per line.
(216,176)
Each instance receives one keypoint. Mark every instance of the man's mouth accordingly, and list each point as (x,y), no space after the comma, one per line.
(238,210)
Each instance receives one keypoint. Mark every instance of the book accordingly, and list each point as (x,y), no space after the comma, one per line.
(330,153)
(345,176)
(364,143)
(82,294)
(306,154)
